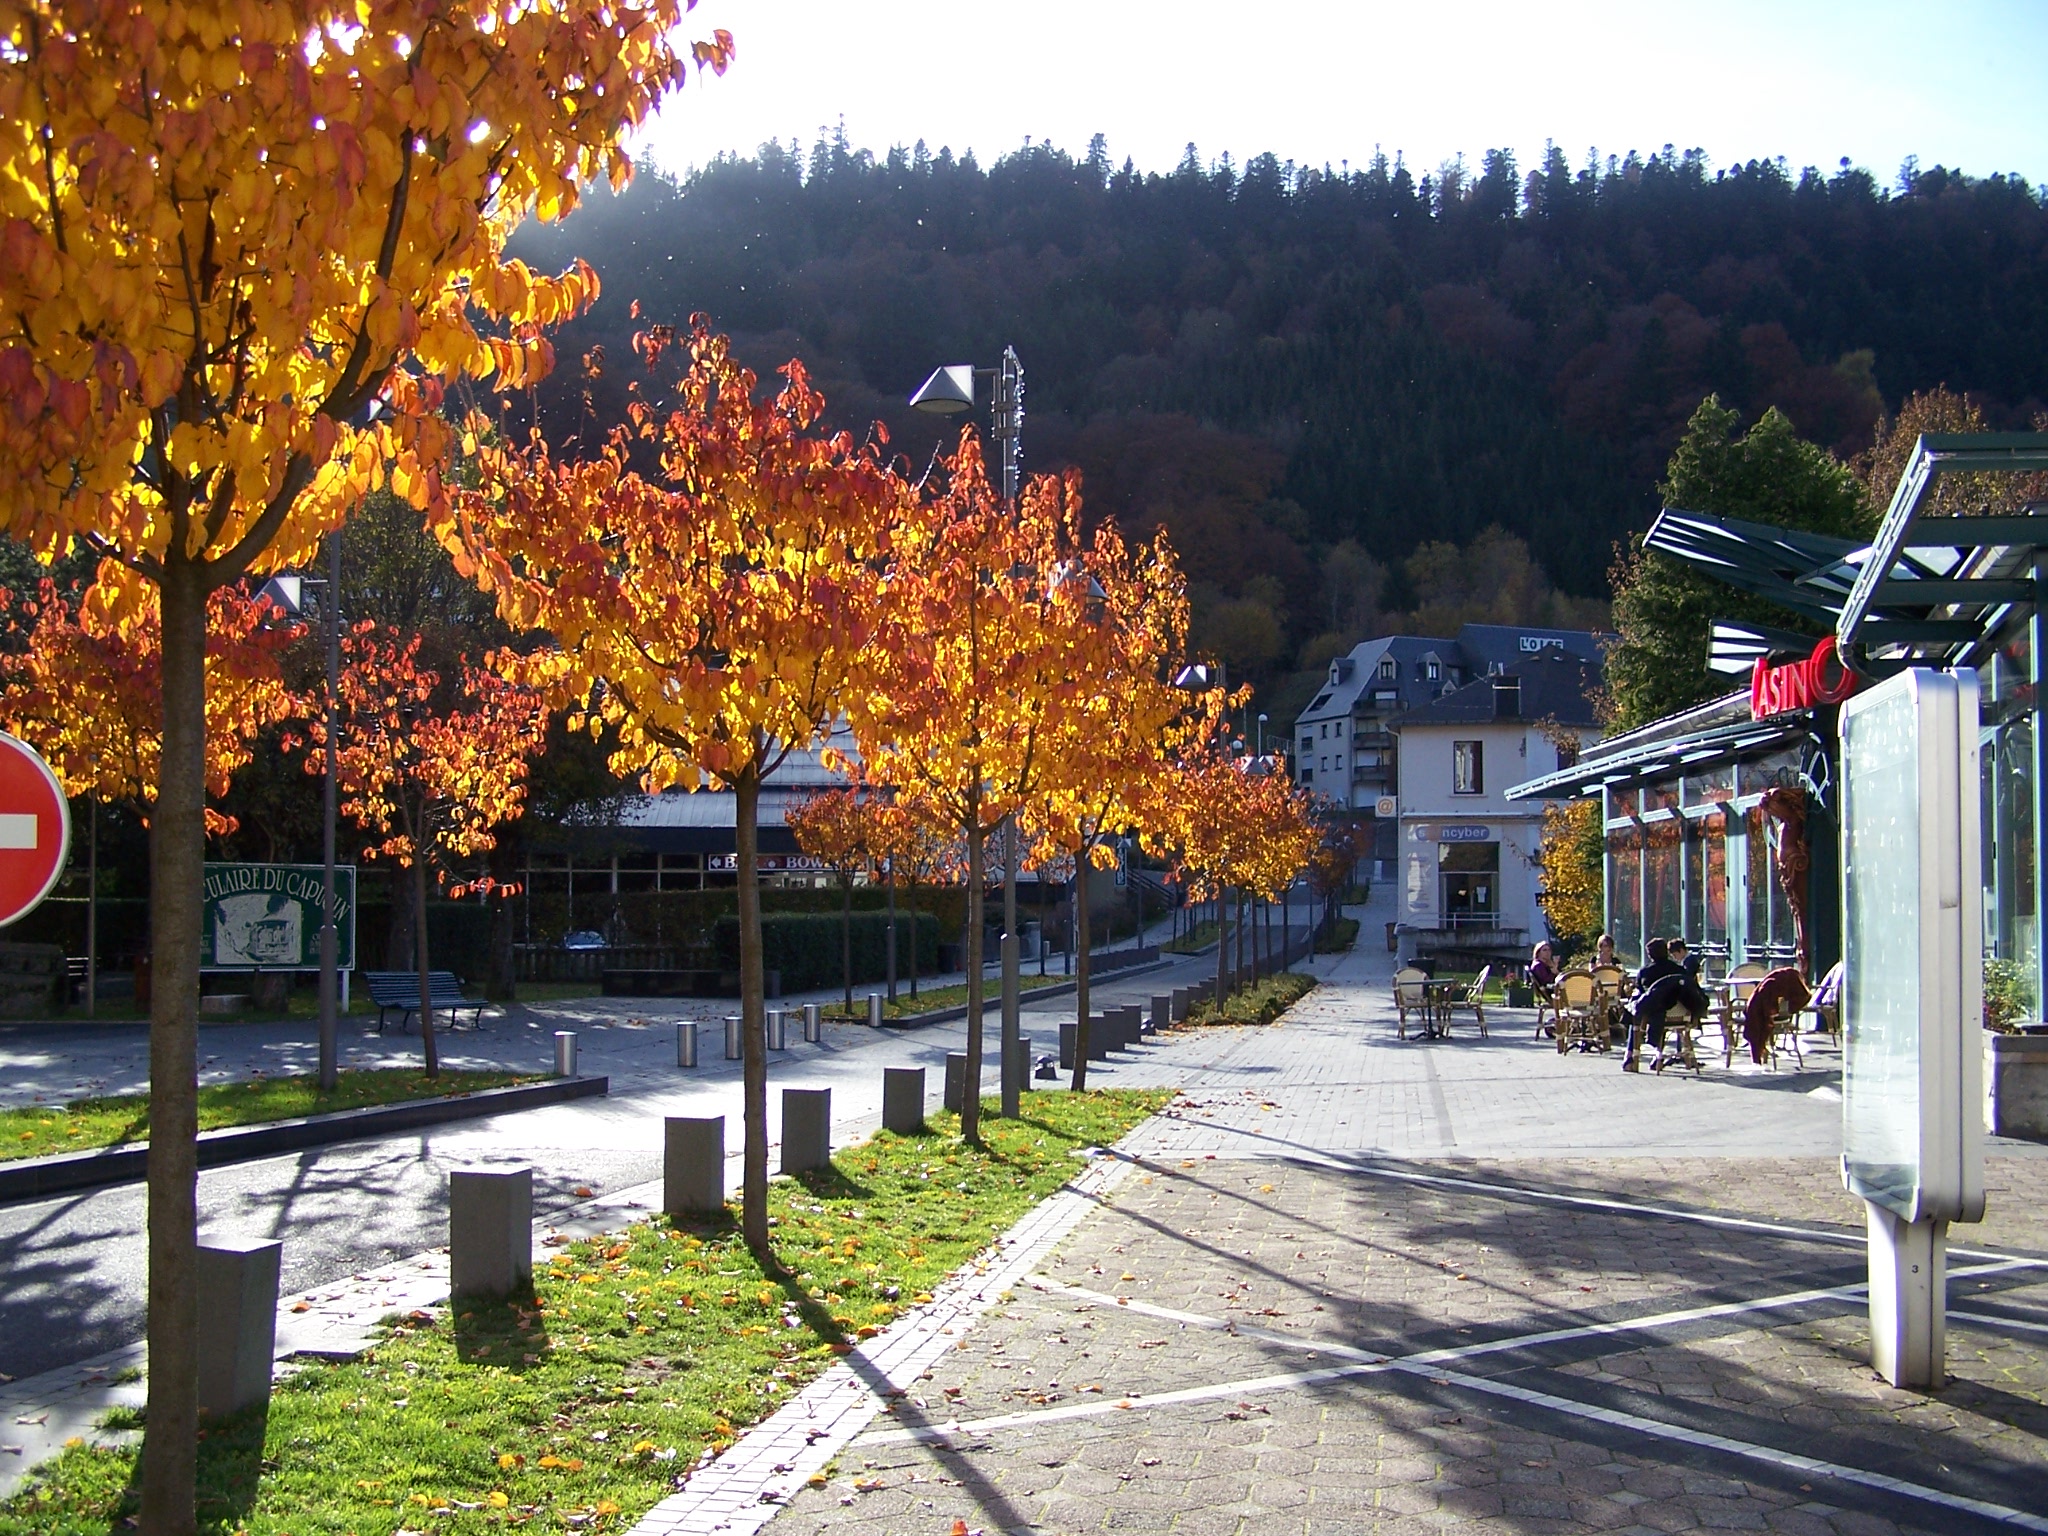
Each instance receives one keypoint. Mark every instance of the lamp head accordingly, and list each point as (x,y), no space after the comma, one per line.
(948,392)
(286,593)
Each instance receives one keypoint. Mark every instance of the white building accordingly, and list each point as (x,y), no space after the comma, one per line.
(1342,746)
(1468,873)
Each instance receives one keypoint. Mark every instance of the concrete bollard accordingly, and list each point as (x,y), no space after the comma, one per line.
(1162,1013)
(732,1036)
(903,1100)
(806,1129)
(874,1010)
(565,1053)
(1070,1034)
(1024,1063)
(1134,1025)
(1182,998)
(814,1024)
(692,1164)
(237,1281)
(490,1231)
(686,1042)
(956,1080)
(1098,1037)
(778,1029)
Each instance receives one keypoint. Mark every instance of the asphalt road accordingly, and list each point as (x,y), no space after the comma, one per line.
(72,1268)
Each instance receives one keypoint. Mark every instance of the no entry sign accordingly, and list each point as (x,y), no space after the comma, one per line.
(35,829)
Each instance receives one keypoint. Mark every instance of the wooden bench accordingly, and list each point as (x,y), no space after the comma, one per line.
(399,991)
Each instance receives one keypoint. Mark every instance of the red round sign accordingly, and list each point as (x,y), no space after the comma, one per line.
(35,829)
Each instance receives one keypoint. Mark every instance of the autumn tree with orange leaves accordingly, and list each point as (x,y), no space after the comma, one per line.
(989,645)
(428,776)
(719,613)
(1107,756)
(914,847)
(86,688)
(225,230)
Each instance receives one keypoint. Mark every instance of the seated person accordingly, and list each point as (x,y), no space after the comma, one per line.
(1543,967)
(1603,953)
(1662,984)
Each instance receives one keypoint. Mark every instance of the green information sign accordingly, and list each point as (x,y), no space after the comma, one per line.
(266,917)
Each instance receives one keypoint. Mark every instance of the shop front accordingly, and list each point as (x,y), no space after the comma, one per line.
(1721,823)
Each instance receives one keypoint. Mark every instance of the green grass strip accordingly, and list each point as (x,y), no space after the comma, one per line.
(38,1130)
(931,999)
(1199,937)
(581,1406)
(1258,1004)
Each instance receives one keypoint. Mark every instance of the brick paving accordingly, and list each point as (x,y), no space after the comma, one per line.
(1357,1284)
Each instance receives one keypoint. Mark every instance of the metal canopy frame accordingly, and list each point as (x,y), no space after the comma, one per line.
(1931,588)
(1756,558)
(1656,759)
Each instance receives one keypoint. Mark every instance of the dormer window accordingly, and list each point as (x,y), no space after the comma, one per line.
(1390,669)
(1432,669)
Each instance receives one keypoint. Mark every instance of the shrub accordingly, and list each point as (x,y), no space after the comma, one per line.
(805,946)
(1335,938)
(1259,1004)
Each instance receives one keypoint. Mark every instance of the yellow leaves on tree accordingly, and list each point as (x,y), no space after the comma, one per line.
(429,778)
(1572,855)
(86,690)
(222,224)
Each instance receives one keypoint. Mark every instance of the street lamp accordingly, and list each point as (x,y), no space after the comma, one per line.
(288,593)
(948,392)
(1262,735)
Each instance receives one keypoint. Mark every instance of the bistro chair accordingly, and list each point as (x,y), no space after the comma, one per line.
(1578,1011)
(1681,1025)
(1411,990)
(1474,997)
(1736,988)
(1612,982)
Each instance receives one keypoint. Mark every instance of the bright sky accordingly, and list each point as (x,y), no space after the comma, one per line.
(1960,83)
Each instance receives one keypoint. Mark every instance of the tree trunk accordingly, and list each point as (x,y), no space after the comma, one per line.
(846,938)
(889,939)
(970,1101)
(1241,934)
(1081,974)
(419,949)
(910,906)
(502,985)
(1222,955)
(177,846)
(753,1039)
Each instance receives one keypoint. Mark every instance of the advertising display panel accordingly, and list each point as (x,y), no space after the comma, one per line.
(1912,996)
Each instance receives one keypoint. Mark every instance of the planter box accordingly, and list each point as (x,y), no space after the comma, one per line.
(2016,1085)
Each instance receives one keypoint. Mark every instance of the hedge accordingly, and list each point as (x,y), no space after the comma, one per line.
(805,946)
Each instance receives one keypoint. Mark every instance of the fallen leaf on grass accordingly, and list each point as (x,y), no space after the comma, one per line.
(300,1306)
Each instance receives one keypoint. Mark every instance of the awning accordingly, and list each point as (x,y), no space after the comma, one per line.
(1661,759)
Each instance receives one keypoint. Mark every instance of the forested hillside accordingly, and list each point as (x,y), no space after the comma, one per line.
(1280,363)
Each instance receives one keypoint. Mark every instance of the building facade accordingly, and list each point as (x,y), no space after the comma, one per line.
(1343,748)
(1468,870)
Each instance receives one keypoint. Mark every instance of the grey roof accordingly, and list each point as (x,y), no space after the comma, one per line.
(1478,650)
(1552,685)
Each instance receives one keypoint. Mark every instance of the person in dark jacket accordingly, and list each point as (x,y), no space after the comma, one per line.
(1665,982)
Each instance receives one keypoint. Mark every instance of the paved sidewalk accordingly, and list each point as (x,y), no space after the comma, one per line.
(1357,1284)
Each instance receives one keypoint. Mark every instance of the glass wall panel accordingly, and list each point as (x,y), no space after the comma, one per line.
(1662,911)
(1625,895)
(1621,801)
(1660,797)
(1714,907)
(1711,786)
(1753,778)
(1762,880)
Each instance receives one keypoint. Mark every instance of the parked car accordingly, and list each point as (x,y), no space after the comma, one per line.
(583,938)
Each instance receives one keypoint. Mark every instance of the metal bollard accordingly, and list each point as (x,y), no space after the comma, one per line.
(686,1043)
(814,1024)
(874,1010)
(732,1037)
(565,1053)
(778,1029)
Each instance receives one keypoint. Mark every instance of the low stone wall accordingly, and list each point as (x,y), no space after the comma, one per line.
(32,980)
(2016,1085)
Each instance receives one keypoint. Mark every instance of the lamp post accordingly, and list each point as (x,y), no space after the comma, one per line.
(948,392)
(288,593)
(1262,735)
